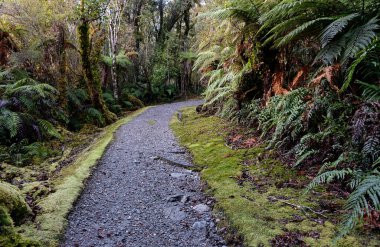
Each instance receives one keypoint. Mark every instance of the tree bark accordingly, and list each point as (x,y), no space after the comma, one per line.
(115,13)
(186,64)
(62,59)
(137,34)
(93,83)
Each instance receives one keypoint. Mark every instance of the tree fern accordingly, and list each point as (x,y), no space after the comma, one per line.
(298,32)
(29,87)
(336,27)
(360,38)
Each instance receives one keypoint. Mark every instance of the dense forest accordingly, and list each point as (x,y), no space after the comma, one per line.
(302,77)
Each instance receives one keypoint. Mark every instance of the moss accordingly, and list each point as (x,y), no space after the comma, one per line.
(13,210)
(136,102)
(15,240)
(13,203)
(5,218)
(68,186)
(246,205)
(152,122)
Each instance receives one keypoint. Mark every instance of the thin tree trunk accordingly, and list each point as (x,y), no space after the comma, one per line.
(136,24)
(115,13)
(62,80)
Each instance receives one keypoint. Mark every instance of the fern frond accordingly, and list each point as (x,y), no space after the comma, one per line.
(48,128)
(299,31)
(331,51)
(360,38)
(328,177)
(336,27)
(366,195)
(304,157)
(371,91)
(11,121)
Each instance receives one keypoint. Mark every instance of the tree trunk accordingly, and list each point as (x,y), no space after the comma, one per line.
(137,34)
(161,30)
(62,80)
(93,83)
(115,84)
(186,64)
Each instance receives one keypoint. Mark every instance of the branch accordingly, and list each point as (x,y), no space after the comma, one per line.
(304,209)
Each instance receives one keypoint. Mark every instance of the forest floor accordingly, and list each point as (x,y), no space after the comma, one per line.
(260,199)
(142,192)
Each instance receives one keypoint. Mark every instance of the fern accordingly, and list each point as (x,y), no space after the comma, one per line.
(362,200)
(48,128)
(360,38)
(371,92)
(122,60)
(328,177)
(11,121)
(26,103)
(304,157)
(298,32)
(95,116)
(336,27)
(29,87)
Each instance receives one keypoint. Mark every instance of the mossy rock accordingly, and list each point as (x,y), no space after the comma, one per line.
(15,240)
(12,204)
(135,101)
(5,218)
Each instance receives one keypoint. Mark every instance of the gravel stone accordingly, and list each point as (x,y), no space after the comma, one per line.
(125,202)
(199,225)
(201,208)
(175,198)
(177,175)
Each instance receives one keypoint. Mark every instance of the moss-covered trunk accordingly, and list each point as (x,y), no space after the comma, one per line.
(62,80)
(92,80)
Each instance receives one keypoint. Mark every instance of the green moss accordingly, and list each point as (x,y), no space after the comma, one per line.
(13,203)
(246,205)
(13,210)
(135,101)
(68,186)
(15,240)
(152,122)
(5,218)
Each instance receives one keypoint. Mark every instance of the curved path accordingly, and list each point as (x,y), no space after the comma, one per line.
(137,197)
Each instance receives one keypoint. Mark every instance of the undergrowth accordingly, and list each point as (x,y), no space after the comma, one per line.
(255,191)
(52,187)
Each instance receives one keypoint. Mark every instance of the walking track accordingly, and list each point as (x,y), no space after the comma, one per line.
(137,197)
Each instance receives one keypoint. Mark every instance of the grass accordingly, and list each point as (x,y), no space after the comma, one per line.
(51,222)
(246,205)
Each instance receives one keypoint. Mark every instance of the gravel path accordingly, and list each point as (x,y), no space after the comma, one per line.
(137,198)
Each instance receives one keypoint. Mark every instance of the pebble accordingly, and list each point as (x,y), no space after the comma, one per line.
(201,208)
(199,225)
(177,175)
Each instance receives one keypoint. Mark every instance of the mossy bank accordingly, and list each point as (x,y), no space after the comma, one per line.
(254,191)
(49,223)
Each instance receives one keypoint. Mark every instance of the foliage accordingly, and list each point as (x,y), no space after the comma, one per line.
(25,107)
(305,74)
(243,192)
(122,60)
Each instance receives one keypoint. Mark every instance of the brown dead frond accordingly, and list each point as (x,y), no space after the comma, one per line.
(329,73)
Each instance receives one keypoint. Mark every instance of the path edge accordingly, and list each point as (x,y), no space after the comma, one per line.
(52,221)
